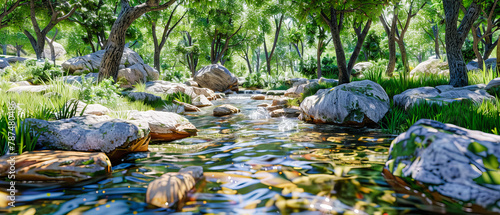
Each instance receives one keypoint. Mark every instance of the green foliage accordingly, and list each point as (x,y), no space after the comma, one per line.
(484,117)
(104,92)
(67,110)
(175,76)
(309,67)
(468,51)
(329,68)
(371,46)
(41,73)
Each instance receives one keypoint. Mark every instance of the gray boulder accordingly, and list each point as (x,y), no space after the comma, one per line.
(201,101)
(357,104)
(132,68)
(490,63)
(91,133)
(3,63)
(453,161)
(431,66)
(441,95)
(13,60)
(494,85)
(29,89)
(143,96)
(359,68)
(217,78)
(165,87)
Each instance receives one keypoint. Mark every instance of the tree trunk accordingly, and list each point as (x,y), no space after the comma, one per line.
(318,57)
(268,63)
(498,56)
(404,56)
(276,36)
(475,47)
(455,39)
(257,58)
(4,49)
(435,30)
(391,34)
(341,60)
(247,59)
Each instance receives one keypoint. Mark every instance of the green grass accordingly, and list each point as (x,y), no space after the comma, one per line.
(483,117)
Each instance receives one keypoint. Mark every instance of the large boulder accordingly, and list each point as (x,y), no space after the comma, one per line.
(164,126)
(4,63)
(453,161)
(441,95)
(490,63)
(59,51)
(91,133)
(493,86)
(48,165)
(165,87)
(431,66)
(132,68)
(357,104)
(217,78)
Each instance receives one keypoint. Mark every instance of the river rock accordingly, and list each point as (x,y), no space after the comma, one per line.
(297,91)
(132,68)
(217,78)
(274,107)
(172,187)
(224,110)
(13,60)
(48,165)
(441,95)
(165,87)
(277,113)
(188,107)
(91,133)
(280,101)
(296,81)
(490,63)
(276,92)
(431,66)
(59,50)
(29,89)
(3,63)
(356,103)
(454,161)
(360,67)
(143,96)
(258,97)
(164,126)
(201,101)
(292,112)
(91,109)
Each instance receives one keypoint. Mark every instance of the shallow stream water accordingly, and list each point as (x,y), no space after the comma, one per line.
(253,164)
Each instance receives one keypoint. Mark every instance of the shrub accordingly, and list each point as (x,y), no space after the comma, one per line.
(104,92)
(42,73)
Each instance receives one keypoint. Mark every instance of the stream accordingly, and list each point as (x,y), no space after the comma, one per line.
(253,164)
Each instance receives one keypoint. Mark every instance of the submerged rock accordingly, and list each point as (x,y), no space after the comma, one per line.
(172,187)
(67,166)
(91,133)
(441,95)
(217,78)
(164,126)
(224,110)
(454,161)
(357,103)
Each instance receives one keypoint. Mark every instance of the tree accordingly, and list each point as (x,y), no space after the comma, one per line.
(278,20)
(155,18)
(398,30)
(483,30)
(336,14)
(316,32)
(96,17)
(116,40)
(51,45)
(455,38)
(189,51)
(56,10)
(8,8)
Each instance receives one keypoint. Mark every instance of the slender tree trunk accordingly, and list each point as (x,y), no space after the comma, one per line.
(268,62)
(475,47)
(318,57)
(297,48)
(455,39)
(498,56)
(257,58)
(4,49)
(276,36)
(247,59)
(404,56)
(391,34)
(435,30)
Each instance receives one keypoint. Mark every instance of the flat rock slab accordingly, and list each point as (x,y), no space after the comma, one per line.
(47,165)
(454,161)
(441,95)
(164,126)
(29,89)
(172,187)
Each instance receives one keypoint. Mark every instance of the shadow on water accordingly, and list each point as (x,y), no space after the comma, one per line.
(253,164)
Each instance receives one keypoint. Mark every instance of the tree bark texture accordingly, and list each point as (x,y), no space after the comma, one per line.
(116,40)
(276,36)
(455,38)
